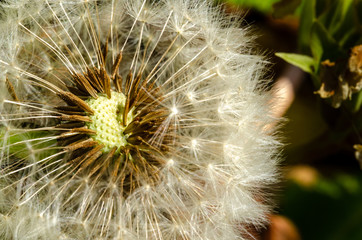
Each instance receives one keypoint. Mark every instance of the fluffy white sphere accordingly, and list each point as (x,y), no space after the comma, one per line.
(198,151)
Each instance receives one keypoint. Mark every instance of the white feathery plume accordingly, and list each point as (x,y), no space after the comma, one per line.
(128,119)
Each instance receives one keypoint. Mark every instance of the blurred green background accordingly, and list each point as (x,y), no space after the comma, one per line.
(322,188)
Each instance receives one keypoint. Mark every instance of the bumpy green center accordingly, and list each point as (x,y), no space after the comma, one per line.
(107,120)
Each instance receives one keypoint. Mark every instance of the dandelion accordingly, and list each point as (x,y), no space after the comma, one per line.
(131,120)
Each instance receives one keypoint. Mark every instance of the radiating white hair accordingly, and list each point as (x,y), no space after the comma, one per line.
(201,173)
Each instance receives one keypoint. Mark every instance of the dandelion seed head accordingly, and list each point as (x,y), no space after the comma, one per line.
(131,120)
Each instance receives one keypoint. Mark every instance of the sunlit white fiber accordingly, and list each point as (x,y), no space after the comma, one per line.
(210,183)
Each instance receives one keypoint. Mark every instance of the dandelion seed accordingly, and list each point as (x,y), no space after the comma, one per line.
(121,120)
(174,111)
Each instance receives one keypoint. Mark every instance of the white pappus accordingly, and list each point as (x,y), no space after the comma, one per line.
(126,119)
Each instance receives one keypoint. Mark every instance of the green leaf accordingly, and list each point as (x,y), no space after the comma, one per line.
(285,7)
(325,11)
(357,101)
(306,63)
(307,16)
(342,12)
(340,19)
(264,6)
(323,45)
(28,145)
(347,30)
(316,44)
